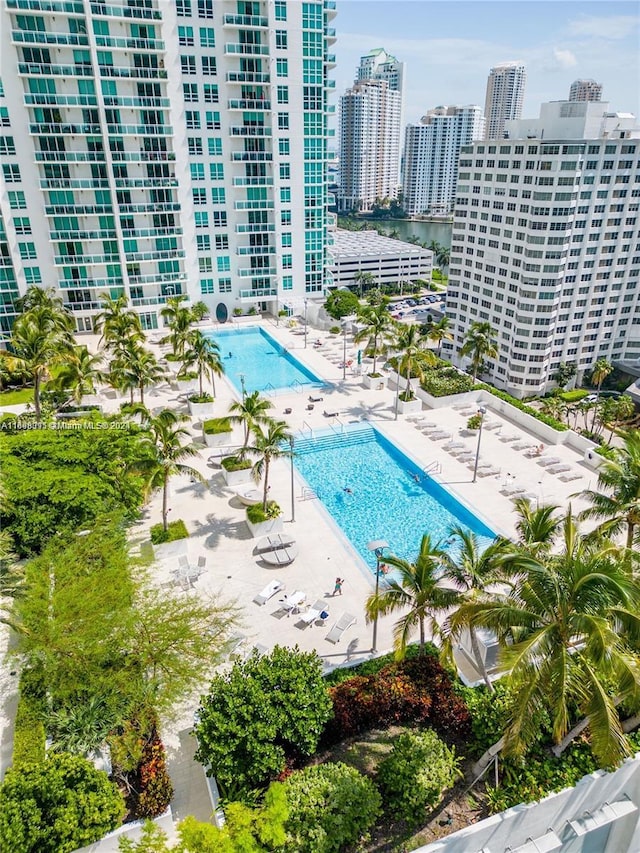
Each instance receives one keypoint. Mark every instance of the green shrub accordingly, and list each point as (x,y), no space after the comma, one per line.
(416,773)
(186,376)
(57,806)
(406,396)
(235,463)
(335,330)
(155,789)
(176,530)
(201,398)
(216,426)
(545,419)
(257,514)
(375,375)
(331,806)
(606,451)
(444,380)
(373,666)
(474,422)
(573,396)
(341,303)
(237,312)
(29,737)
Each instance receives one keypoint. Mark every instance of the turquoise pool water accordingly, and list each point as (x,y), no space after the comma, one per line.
(385,501)
(264,363)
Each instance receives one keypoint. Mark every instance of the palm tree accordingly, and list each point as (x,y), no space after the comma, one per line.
(178,318)
(442,257)
(79,374)
(562,629)
(537,526)
(479,343)
(250,412)
(471,569)
(204,354)
(618,410)
(268,445)
(116,322)
(39,339)
(136,367)
(440,331)
(434,247)
(555,407)
(364,280)
(416,592)
(378,324)
(165,453)
(618,501)
(413,357)
(601,369)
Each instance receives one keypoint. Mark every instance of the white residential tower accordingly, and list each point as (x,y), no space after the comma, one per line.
(505,96)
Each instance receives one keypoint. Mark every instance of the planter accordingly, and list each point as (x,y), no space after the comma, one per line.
(237,478)
(217,439)
(404,408)
(170,549)
(377,382)
(264,528)
(185,385)
(201,410)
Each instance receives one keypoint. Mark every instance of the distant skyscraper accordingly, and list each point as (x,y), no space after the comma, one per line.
(370,122)
(585,90)
(431,148)
(505,94)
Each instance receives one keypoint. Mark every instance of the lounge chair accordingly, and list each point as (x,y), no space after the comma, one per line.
(488,472)
(428,426)
(316,399)
(439,435)
(508,438)
(344,622)
(569,476)
(271,543)
(313,613)
(523,445)
(467,456)
(236,642)
(292,603)
(268,592)
(330,414)
(493,425)
(283,556)
(549,460)
(558,469)
(512,490)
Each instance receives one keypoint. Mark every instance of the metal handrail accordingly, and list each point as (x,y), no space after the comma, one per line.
(296,385)
(434,467)
(308,426)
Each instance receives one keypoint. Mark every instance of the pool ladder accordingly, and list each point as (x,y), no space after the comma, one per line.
(432,468)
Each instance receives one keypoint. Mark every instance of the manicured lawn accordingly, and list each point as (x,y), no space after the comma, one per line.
(14,398)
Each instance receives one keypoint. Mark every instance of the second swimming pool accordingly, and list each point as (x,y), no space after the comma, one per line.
(265,365)
(374,491)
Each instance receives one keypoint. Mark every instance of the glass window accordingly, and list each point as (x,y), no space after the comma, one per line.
(215,146)
(282,67)
(207,37)
(281,39)
(281,10)
(283,121)
(188,64)
(283,94)
(185,36)
(283,147)
(206,285)
(201,218)
(285,194)
(224,263)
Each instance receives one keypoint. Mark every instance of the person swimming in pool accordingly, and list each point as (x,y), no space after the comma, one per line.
(347,490)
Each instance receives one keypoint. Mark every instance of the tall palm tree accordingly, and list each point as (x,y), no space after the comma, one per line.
(413,356)
(377,326)
(79,374)
(471,570)
(434,247)
(165,453)
(443,256)
(601,369)
(440,331)
(479,343)
(537,526)
(416,592)
(137,367)
(562,630)
(204,355)
(555,407)
(618,501)
(364,280)
(39,339)
(251,412)
(268,444)
(116,322)
(178,319)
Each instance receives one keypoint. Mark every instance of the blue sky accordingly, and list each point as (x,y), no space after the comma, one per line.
(449,46)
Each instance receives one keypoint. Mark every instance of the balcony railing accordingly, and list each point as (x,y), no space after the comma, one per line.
(260,293)
(248,21)
(247,77)
(251,156)
(260,204)
(246,49)
(248,104)
(254,228)
(261,272)
(256,250)
(242,130)
(253,182)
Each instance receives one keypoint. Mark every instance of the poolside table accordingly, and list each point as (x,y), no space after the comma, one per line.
(282,556)
(275,542)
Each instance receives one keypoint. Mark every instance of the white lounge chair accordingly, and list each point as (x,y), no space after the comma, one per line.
(466,457)
(439,435)
(569,476)
(549,460)
(492,425)
(507,438)
(488,472)
(558,469)
(522,445)
(427,426)
(268,592)
(292,603)
(343,623)
(512,491)
(313,613)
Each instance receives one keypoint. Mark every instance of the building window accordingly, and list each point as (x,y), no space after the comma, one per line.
(33,275)
(286,240)
(281,10)
(213,120)
(282,67)
(201,218)
(199,195)
(216,171)
(190,92)
(183,8)
(11,172)
(287,262)
(209,67)
(205,9)
(205,264)
(222,242)
(215,146)
(203,242)
(193,120)
(283,94)
(287,282)
(284,147)
(195,145)
(224,263)
(211,95)
(219,219)
(27,251)
(185,36)
(7,145)
(22,224)
(285,194)
(197,171)
(224,285)
(281,39)
(285,172)
(283,121)
(206,285)
(285,217)
(217,195)
(207,37)
(188,64)
(17,200)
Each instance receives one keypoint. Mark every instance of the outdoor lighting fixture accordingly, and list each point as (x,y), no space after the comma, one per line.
(293,497)
(482,412)
(377,546)
(306,301)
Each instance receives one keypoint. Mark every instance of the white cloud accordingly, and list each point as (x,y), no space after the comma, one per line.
(564,59)
(613,27)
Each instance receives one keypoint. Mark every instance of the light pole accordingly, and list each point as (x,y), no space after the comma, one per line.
(293,496)
(395,414)
(244,391)
(482,412)
(306,301)
(344,350)
(377,546)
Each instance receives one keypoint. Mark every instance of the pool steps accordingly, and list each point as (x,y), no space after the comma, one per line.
(341,439)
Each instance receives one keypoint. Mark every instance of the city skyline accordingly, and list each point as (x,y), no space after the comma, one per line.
(558,42)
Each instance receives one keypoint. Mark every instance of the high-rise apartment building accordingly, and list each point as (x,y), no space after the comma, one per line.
(430,160)
(505,96)
(154,148)
(546,244)
(585,90)
(370,122)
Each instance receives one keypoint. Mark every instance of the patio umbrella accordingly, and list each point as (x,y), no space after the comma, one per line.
(359,356)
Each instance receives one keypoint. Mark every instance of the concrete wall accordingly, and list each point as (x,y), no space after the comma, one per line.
(110,842)
(599,815)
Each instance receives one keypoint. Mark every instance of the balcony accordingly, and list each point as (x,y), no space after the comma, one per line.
(70,157)
(251,157)
(33,68)
(83,306)
(260,293)
(242,130)
(261,272)
(82,235)
(254,228)
(145,183)
(129,44)
(54,100)
(65,129)
(158,277)
(147,73)
(260,204)
(68,184)
(247,104)
(247,77)
(135,12)
(38,37)
(67,260)
(246,50)
(330,9)
(150,207)
(256,250)
(330,60)
(245,21)
(84,283)
(47,6)
(140,129)
(253,182)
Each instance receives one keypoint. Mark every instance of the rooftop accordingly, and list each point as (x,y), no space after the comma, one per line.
(349,243)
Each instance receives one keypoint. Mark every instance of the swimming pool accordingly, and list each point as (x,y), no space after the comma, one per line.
(385,501)
(264,363)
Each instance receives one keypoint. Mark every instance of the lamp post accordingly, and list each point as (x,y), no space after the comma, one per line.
(482,412)
(344,350)
(244,390)
(293,496)
(395,414)
(377,546)
(306,301)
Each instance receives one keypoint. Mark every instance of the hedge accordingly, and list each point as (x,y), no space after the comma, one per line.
(444,380)
(256,514)
(176,530)
(215,426)
(29,736)
(545,419)
(235,463)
